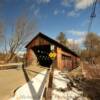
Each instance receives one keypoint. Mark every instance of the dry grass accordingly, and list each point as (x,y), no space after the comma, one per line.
(89,86)
(11,79)
(75,72)
(91,71)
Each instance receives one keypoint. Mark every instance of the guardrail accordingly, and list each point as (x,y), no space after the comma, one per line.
(10,65)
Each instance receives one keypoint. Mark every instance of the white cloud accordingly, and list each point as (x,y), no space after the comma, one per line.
(72,41)
(79,34)
(59,11)
(21,53)
(73,13)
(63,11)
(36,12)
(43,1)
(78,4)
(56,12)
(32,6)
(83,4)
(64,2)
(76,32)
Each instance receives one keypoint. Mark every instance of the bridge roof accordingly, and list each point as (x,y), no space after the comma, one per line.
(54,42)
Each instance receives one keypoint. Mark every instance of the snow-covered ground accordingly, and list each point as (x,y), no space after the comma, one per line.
(34,89)
(61,91)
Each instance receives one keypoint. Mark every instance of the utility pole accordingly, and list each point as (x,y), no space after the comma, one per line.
(93,15)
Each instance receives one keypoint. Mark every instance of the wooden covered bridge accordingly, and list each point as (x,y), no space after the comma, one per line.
(41,46)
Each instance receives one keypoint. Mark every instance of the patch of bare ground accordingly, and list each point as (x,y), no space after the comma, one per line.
(12,79)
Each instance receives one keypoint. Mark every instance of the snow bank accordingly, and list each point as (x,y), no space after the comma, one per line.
(33,89)
(60,89)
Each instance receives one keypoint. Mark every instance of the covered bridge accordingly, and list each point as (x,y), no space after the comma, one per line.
(40,45)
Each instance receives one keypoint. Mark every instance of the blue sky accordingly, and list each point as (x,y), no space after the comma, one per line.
(53,16)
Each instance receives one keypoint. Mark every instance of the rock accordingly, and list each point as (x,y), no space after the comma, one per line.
(62,90)
(77,91)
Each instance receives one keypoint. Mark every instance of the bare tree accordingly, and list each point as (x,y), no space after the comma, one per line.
(73,45)
(92,44)
(23,30)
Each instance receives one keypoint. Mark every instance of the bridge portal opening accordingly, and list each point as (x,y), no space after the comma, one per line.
(42,54)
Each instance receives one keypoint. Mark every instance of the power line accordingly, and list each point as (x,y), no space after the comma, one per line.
(93,15)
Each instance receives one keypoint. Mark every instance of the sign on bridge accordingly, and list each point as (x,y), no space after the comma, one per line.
(52,55)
